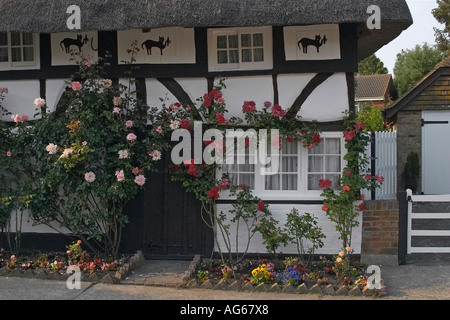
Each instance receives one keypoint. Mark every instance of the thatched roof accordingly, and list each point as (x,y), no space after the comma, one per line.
(48,16)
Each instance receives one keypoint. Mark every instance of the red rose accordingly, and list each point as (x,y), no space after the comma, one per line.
(213,193)
(220,118)
(325,183)
(349,135)
(261,206)
(184,124)
(316,138)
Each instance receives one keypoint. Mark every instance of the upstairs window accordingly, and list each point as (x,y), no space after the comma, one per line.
(240,49)
(18,50)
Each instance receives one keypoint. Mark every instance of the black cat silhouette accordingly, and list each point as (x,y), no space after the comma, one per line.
(78,42)
(317,42)
(161,44)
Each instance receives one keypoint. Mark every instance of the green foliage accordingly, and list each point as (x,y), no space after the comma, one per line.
(413,64)
(304,231)
(411,171)
(442,15)
(341,202)
(372,116)
(371,65)
(100,147)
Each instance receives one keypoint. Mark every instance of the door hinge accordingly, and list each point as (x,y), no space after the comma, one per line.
(433,122)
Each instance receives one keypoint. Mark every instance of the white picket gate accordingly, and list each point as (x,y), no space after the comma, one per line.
(422,236)
(384,154)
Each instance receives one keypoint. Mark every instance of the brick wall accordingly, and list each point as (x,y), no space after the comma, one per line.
(409,138)
(379,243)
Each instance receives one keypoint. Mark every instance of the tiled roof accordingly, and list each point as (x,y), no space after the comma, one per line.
(372,87)
(440,68)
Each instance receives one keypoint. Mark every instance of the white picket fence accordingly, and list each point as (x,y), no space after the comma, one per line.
(384,164)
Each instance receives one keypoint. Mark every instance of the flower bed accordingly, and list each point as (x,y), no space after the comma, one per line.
(60,265)
(325,276)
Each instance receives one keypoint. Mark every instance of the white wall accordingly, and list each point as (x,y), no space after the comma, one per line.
(20,97)
(332,243)
(326,103)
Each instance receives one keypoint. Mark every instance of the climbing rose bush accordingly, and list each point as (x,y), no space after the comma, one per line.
(344,203)
(94,154)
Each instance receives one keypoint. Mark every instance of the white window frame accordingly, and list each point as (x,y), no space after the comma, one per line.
(213,64)
(302,192)
(22,65)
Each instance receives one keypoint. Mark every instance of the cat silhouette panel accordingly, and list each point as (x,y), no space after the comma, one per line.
(304,43)
(157,46)
(318,42)
(161,44)
(68,48)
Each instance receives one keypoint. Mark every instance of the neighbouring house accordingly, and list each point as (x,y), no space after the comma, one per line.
(189,45)
(422,122)
(376,90)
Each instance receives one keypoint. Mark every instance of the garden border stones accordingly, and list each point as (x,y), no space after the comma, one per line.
(190,281)
(111,277)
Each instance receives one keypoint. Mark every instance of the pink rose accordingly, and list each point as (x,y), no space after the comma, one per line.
(120,175)
(140,180)
(129,123)
(131,137)
(76,86)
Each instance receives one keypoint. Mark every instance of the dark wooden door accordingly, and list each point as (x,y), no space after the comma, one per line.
(165,221)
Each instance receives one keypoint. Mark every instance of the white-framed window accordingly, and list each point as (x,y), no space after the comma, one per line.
(300,170)
(247,48)
(19,50)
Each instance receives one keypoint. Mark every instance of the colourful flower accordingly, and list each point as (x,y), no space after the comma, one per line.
(379,178)
(325,208)
(223,184)
(277,111)
(140,180)
(174,124)
(129,123)
(76,86)
(213,193)
(66,153)
(360,126)
(362,206)
(120,175)
(117,101)
(51,148)
(316,138)
(192,171)
(159,129)
(131,137)
(8,153)
(107,83)
(349,135)
(261,206)
(155,154)
(39,102)
(249,107)
(325,183)
(123,154)
(220,118)
(184,124)
(89,177)
(346,188)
